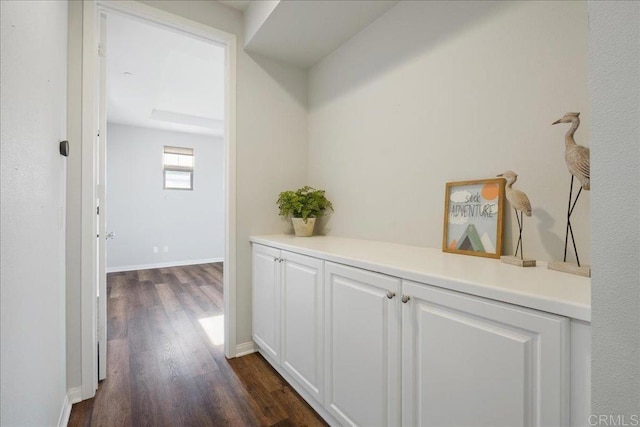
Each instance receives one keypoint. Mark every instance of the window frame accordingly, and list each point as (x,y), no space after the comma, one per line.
(181,151)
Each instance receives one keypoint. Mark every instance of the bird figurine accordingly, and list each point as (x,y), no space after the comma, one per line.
(577,159)
(520,203)
(576,156)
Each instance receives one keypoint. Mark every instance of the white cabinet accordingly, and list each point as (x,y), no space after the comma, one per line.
(303,321)
(470,361)
(369,349)
(266,300)
(288,315)
(362,346)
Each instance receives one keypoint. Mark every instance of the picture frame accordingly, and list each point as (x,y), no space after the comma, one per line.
(473,217)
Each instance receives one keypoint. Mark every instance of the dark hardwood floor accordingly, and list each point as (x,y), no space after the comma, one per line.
(166,364)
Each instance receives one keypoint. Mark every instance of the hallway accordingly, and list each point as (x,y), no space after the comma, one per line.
(166,363)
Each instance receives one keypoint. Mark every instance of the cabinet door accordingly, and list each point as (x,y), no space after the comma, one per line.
(302,321)
(468,361)
(362,347)
(266,300)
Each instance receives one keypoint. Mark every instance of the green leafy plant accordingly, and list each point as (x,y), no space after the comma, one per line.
(305,202)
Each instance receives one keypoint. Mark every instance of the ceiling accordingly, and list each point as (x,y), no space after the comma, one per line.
(164,79)
(302,32)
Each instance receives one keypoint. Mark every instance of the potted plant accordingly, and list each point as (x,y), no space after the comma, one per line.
(303,206)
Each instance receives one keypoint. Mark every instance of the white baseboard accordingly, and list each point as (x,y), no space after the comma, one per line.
(245,348)
(162,265)
(65,412)
(74,395)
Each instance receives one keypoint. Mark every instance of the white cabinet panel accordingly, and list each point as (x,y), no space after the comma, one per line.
(580,373)
(266,299)
(302,321)
(461,359)
(362,347)
(472,362)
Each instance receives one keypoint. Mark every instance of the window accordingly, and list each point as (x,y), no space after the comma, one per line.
(178,168)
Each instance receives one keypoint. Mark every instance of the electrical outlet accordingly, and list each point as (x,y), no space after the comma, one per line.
(155,249)
(166,248)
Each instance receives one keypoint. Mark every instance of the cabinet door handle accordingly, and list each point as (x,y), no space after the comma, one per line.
(405,298)
(390,294)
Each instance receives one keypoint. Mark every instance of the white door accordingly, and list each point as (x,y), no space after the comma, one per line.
(468,361)
(266,300)
(101,173)
(302,321)
(362,346)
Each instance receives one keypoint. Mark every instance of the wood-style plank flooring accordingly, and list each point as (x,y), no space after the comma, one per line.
(166,364)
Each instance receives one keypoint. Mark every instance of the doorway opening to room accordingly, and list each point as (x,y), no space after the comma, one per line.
(164,191)
(164,185)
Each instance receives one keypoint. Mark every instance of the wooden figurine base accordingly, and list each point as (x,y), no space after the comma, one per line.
(571,268)
(527,262)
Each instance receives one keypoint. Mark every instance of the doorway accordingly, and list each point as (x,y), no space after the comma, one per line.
(95,100)
(163,139)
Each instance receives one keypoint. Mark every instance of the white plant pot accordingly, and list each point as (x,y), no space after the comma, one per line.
(303,229)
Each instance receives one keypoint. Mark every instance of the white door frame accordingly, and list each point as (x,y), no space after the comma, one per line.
(101,174)
(90,99)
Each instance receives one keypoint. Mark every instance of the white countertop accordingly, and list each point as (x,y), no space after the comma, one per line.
(533,287)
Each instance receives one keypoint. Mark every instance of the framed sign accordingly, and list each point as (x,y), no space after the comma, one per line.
(473,214)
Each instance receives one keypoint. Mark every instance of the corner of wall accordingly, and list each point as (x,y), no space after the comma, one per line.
(255,16)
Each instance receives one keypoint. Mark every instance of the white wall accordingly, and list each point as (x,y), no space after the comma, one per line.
(189,224)
(270,142)
(447,91)
(615,99)
(33,61)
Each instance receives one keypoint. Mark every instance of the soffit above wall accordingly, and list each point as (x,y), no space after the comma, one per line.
(302,32)
(241,5)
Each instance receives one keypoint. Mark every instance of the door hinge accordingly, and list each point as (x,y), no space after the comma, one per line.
(101,50)
(98,210)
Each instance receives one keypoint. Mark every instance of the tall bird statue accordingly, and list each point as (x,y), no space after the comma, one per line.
(577,159)
(576,156)
(519,202)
